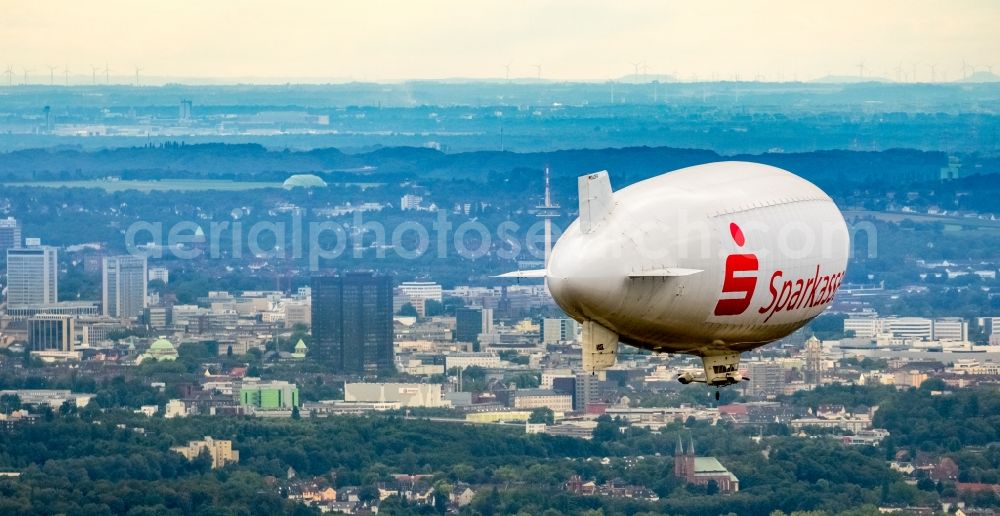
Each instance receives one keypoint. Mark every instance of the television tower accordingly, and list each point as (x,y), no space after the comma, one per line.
(547,211)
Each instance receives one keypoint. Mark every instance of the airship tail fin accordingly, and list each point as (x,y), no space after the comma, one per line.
(600,347)
(530,273)
(596,199)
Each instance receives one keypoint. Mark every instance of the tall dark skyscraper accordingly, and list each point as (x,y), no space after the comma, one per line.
(352,322)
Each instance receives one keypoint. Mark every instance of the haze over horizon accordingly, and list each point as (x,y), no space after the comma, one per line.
(257,41)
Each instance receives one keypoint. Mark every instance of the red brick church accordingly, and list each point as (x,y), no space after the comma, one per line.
(702,470)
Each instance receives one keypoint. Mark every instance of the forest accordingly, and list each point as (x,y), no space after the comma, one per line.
(105,460)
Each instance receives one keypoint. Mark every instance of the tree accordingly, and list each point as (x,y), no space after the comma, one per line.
(542,415)
(368,494)
(432,308)
(407,310)
(10,403)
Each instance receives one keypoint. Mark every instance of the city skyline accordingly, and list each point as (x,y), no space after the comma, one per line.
(119,42)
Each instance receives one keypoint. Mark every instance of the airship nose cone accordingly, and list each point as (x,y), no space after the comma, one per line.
(582,274)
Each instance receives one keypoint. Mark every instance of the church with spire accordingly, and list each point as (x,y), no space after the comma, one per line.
(702,470)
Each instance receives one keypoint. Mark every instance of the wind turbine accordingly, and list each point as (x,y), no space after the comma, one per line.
(107,73)
(538,71)
(66,74)
(52,75)
(9,72)
(26,72)
(137,70)
(506,70)
(933,68)
(93,73)
(861,69)
(635,71)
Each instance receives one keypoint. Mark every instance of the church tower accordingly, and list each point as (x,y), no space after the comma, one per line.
(680,461)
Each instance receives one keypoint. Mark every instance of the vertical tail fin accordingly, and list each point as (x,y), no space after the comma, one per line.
(596,199)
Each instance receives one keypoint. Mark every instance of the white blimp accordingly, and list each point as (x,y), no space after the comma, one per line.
(711,260)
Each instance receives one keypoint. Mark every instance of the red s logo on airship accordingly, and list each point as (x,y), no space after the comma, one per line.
(733,284)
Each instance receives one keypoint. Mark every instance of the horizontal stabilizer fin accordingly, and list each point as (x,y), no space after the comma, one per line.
(664,272)
(531,273)
(596,199)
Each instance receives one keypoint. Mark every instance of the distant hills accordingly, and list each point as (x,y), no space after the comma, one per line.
(981,77)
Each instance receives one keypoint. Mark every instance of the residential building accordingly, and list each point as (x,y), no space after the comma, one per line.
(221,451)
(124,286)
(32,275)
(352,322)
(559,330)
(175,408)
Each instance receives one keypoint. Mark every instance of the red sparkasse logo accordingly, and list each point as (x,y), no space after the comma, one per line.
(733,284)
(786,294)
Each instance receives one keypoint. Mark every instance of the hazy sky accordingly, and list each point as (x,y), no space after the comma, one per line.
(571,39)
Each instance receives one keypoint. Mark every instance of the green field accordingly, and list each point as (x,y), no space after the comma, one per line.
(179,185)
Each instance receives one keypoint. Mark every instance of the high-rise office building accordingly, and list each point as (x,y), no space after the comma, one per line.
(51,333)
(472,321)
(766,379)
(32,275)
(587,391)
(10,234)
(124,282)
(352,322)
(814,361)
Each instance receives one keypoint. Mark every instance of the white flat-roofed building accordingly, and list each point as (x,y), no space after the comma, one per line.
(915,328)
(406,394)
(542,398)
(410,202)
(951,329)
(463,360)
(419,292)
(865,325)
(159,274)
